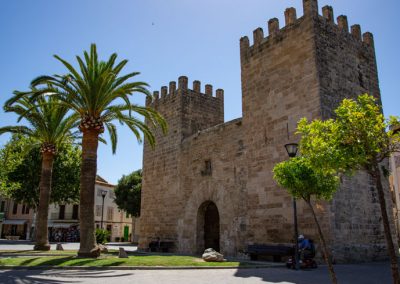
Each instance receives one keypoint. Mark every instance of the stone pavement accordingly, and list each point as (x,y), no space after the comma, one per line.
(372,273)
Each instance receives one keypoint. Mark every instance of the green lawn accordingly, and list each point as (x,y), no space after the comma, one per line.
(37,252)
(112,260)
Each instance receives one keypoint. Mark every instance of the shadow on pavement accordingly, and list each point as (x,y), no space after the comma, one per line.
(48,276)
(284,275)
(366,273)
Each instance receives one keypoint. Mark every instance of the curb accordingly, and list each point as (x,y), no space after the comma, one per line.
(10,267)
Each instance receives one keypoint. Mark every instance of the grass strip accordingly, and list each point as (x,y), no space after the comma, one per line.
(110,260)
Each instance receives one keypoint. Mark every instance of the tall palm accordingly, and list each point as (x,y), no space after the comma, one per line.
(99,95)
(48,125)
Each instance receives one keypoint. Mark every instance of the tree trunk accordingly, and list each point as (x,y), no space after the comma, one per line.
(133,228)
(326,253)
(41,231)
(376,174)
(88,246)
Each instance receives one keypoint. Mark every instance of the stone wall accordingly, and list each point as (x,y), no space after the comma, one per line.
(301,70)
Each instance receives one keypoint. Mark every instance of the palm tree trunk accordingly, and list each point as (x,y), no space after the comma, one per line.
(88,246)
(376,173)
(324,247)
(41,231)
(133,228)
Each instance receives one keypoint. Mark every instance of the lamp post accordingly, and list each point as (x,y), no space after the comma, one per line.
(103,195)
(291,149)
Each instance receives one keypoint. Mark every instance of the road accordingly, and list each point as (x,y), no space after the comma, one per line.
(375,273)
(27,245)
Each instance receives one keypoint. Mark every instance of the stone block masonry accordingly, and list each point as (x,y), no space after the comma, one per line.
(209,184)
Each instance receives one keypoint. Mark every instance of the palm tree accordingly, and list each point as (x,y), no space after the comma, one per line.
(49,126)
(99,95)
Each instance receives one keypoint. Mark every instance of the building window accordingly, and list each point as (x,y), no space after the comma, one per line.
(110,213)
(207,171)
(25,209)
(2,206)
(98,210)
(75,211)
(15,208)
(61,214)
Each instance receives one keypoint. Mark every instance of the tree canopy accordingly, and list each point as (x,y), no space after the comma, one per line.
(128,193)
(303,181)
(358,138)
(20,173)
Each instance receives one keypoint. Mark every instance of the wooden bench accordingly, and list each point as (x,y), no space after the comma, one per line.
(12,238)
(274,250)
(161,246)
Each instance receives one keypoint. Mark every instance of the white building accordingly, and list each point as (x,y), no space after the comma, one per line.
(64,219)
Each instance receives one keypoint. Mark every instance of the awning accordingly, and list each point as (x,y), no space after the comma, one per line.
(61,225)
(14,222)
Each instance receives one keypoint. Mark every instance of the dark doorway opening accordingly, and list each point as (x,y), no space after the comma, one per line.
(208,235)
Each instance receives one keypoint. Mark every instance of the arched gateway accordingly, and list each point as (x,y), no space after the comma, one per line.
(207,227)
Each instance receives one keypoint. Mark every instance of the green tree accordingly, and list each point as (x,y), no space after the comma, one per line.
(302,181)
(128,195)
(49,126)
(20,175)
(357,139)
(99,95)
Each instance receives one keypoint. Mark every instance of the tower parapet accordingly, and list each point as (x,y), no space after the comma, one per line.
(290,16)
(193,109)
(171,92)
(310,10)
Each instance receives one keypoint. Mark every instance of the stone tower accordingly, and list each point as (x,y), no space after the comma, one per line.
(209,183)
(187,111)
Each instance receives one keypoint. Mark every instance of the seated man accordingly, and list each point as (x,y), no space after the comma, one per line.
(306,248)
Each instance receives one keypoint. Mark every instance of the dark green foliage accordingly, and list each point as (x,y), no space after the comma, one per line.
(128,193)
(21,174)
(102,236)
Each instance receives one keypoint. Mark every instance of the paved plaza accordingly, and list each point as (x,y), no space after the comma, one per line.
(375,273)
(369,273)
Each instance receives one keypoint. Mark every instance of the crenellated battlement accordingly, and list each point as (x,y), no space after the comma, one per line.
(172,91)
(310,11)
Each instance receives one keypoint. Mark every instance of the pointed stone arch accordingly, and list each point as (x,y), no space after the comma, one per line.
(208,227)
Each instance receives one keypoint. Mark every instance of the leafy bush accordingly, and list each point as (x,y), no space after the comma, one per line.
(102,236)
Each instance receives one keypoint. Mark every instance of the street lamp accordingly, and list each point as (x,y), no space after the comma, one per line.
(103,194)
(291,149)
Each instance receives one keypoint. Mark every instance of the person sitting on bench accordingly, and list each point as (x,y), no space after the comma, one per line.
(306,248)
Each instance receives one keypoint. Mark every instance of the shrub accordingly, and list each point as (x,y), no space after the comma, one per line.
(102,236)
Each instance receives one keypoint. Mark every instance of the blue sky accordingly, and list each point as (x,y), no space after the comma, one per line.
(164,39)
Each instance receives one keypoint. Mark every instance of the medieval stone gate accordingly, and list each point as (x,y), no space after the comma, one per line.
(206,168)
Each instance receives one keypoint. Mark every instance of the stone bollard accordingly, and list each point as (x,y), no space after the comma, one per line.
(59,247)
(122,253)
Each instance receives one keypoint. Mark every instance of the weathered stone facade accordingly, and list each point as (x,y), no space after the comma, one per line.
(209,183)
